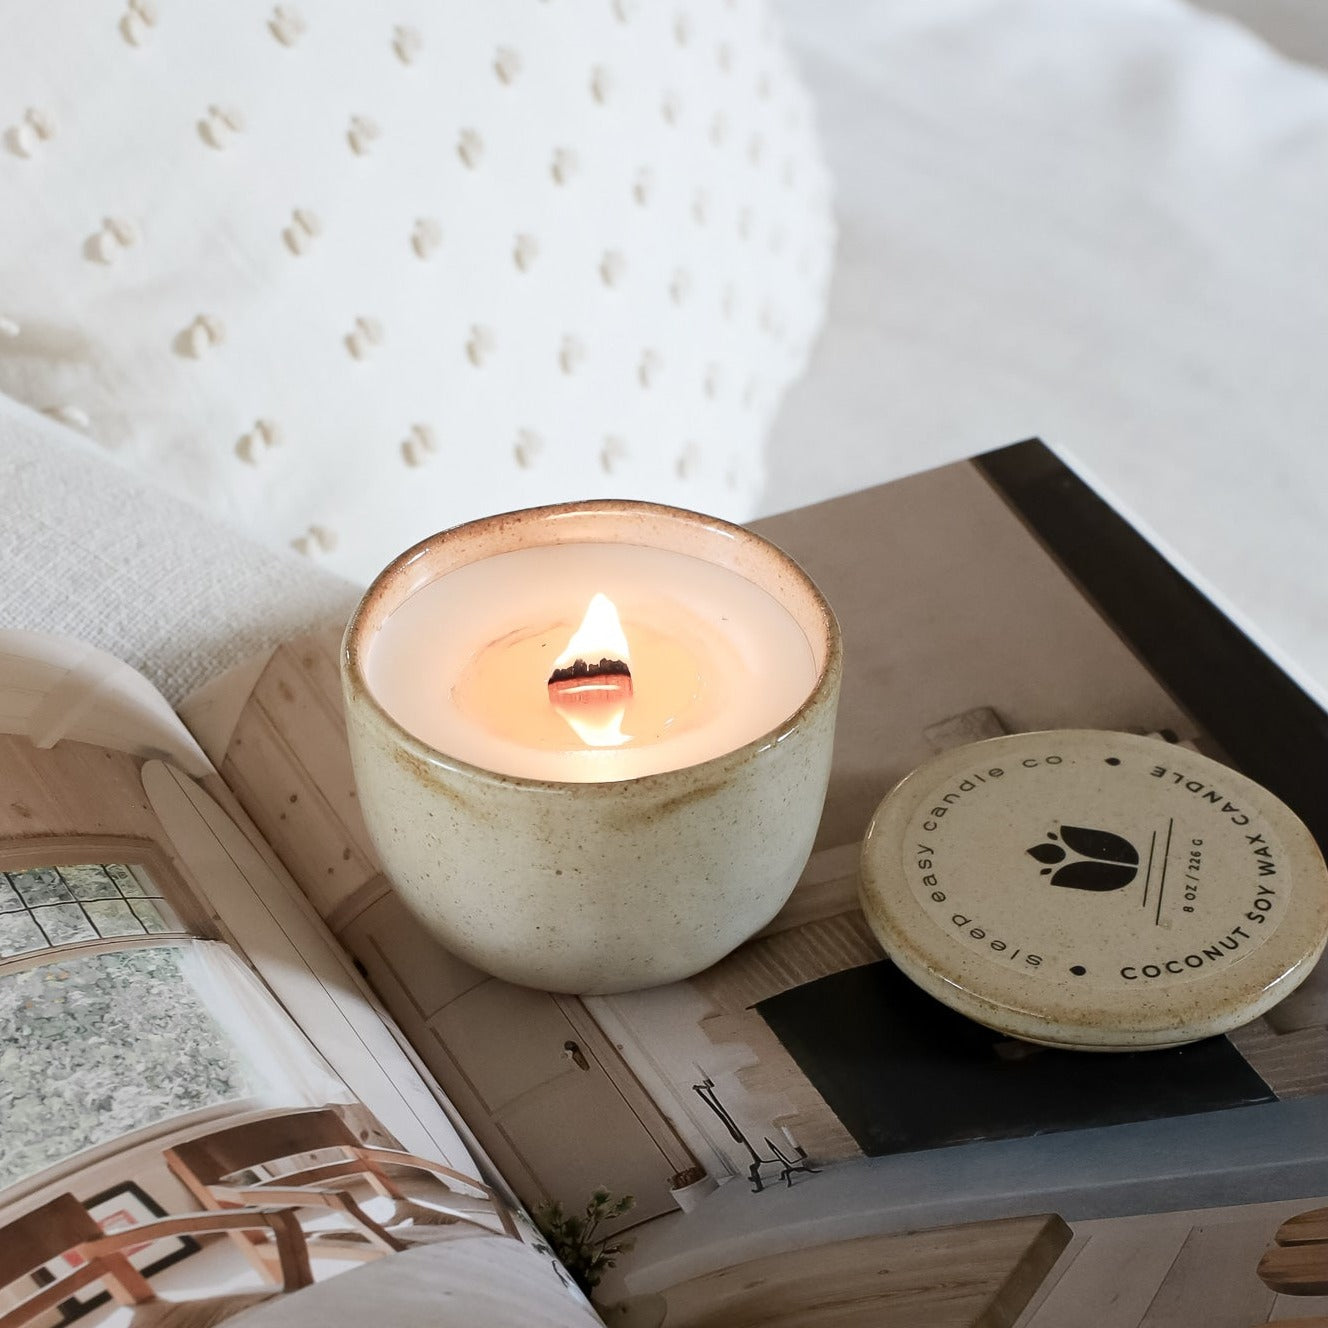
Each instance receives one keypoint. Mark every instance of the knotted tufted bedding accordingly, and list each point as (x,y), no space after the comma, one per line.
(346,275)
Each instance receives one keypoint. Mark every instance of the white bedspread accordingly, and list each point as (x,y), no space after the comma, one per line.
(1103,222)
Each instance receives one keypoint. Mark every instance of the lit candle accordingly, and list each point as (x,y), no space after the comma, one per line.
(708,662)
(592,742)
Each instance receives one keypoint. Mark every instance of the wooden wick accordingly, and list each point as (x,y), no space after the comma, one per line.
(582,683)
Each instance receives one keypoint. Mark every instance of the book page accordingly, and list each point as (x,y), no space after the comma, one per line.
(958,625)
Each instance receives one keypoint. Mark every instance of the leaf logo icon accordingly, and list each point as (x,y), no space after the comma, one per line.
(1095,860)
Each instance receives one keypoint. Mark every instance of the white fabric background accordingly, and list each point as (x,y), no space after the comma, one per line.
(352,277)
(1102,222)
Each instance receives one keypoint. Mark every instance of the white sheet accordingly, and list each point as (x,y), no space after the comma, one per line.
(1104,222)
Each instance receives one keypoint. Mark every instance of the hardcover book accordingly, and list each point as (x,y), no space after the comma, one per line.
(216,860)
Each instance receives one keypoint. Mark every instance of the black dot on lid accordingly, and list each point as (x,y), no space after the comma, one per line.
(1078,970)
(1046,871)
(1113,760)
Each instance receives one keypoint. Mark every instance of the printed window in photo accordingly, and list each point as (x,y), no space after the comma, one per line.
(43,908)
(105,1031)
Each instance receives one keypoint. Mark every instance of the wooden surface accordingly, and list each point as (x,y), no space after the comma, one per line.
(976,1276)
(206,1161)
(1296,1270)
(44,1234)
(1297,1265)
(1293,1062)
(39,1235)
(1195,1269)
(1305,1228)
(289,766)
(75,798)
(1189,1294)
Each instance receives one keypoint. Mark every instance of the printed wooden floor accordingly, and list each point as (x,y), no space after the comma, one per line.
(1170,1270)
(975,1275)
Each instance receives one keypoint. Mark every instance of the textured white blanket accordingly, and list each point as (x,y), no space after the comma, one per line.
(91,550)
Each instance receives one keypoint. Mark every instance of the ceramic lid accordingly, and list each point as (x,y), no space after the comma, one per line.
(1094,890)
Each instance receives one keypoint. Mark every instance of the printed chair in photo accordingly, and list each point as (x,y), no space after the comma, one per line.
(1296,1264)
(63,1227)
(353,1199)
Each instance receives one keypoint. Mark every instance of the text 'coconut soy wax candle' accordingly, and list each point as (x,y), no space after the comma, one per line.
(592,741)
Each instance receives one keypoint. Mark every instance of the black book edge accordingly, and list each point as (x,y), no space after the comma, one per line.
(1271,729)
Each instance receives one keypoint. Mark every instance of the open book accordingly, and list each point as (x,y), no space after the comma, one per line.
(214,865)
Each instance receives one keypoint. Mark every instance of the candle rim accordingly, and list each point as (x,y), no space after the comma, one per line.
(370,613)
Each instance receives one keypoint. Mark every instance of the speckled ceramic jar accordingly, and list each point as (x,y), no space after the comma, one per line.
(595,887)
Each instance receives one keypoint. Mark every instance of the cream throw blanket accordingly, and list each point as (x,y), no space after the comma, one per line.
(91,550)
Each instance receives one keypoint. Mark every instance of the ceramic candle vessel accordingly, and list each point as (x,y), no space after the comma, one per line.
(594,887)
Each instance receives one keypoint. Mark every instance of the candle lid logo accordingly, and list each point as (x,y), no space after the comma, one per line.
(1101,860)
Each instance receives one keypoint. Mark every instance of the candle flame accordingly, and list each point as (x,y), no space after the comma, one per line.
(599,636)
(591,681)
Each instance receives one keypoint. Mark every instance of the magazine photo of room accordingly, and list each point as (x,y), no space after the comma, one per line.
(212,899)
(779,1066)
(176,1143)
